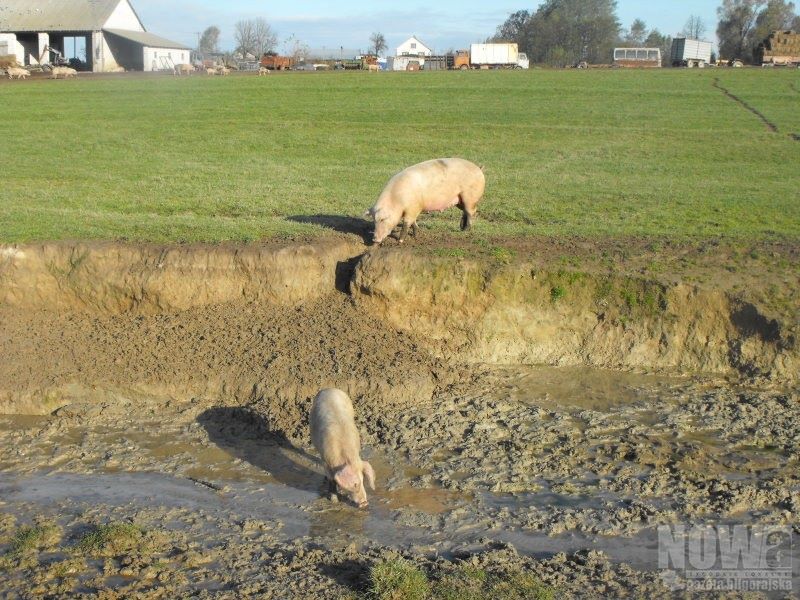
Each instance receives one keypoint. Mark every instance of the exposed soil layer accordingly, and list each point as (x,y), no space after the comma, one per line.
(172,387)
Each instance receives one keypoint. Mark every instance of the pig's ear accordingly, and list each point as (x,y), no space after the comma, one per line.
(366,468)
(346,477)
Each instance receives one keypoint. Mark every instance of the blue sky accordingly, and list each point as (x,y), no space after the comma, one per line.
(349,23)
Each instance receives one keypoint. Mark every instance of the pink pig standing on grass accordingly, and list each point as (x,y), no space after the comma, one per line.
(335,436)
(430,186)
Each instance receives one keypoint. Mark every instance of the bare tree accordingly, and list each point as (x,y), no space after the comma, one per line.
(695,28)
(264,38)
(254,36)
(244,36)
(293,47)
(378,43)
(209,41)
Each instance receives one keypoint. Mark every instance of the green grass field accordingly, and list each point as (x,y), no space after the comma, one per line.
(597,153)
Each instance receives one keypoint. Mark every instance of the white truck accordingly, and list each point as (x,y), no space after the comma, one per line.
(497,56)
(687,52)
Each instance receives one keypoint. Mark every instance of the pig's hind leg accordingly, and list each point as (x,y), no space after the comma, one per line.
(469,210)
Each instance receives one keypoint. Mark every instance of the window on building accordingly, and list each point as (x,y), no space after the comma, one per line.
(155,54)
(413,46)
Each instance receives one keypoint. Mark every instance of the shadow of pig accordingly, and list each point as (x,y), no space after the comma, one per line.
(247,435)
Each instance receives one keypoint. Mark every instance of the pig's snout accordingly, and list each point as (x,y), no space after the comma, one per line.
(363,504)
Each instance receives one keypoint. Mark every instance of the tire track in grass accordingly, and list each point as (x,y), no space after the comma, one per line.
(769,124)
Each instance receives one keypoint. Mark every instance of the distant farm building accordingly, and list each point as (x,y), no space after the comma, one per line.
(413,47)
(110,31)
(637,57)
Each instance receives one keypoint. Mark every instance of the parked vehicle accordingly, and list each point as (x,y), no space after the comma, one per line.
(637,58)
(687,52)
(491,56)
(273,62)
(443,62)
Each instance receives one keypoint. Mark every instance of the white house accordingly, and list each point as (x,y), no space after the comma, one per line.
(113,33)
(413,47)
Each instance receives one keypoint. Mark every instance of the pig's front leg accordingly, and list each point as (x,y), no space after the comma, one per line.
(403,232)
(333,493)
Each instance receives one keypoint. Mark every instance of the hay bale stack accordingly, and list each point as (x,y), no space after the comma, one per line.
(779,44)
(8,60)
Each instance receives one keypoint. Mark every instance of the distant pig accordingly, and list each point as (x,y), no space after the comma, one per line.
(430,186)
(17,72)
(184,69)
(334,435)
(65,71)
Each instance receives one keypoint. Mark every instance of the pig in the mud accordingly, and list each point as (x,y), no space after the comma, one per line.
(430,186)
(335,436)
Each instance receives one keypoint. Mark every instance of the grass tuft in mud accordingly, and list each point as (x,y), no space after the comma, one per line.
(28,541)
(472,583)
(43,535)
(398,579)
(112,539)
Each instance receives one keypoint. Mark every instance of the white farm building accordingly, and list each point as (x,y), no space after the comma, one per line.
(413,47)
(110,31)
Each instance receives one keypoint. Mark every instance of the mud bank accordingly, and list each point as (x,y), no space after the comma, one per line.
(461,310)
(116,278)
(516,312)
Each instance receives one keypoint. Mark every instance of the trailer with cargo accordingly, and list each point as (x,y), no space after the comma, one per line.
(479,56)
(688,52)
(781,48)
(274,62)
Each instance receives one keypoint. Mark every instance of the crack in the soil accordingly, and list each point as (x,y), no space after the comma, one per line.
(769,124)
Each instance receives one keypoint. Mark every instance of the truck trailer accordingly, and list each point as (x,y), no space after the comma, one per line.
(687,52)
(273,62)
(496,56)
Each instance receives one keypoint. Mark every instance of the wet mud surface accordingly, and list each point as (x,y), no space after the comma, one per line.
(564,471)
(154,407)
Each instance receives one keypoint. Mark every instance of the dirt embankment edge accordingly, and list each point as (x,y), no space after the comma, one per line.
(265,319)
(515,312)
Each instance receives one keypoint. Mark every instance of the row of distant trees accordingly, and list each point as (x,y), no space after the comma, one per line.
(564,32)
(256,37)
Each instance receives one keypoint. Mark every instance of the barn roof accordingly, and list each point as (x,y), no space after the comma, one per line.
(55,15)
(146,39)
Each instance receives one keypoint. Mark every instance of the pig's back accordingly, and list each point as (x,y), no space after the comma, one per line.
(333,429)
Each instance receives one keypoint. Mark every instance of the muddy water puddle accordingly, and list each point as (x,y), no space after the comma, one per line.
(547,459)
(591,389)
